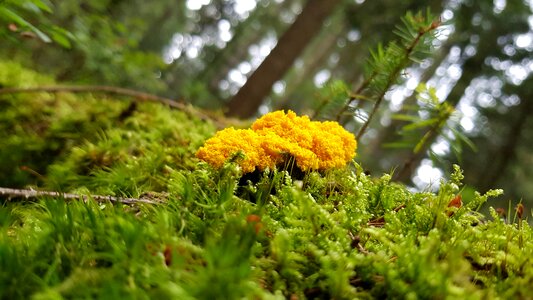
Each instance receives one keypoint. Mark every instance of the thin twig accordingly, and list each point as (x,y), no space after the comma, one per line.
(142,96)
(137,95)
(29,193)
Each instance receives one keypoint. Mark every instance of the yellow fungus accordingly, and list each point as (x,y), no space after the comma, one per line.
(278,135)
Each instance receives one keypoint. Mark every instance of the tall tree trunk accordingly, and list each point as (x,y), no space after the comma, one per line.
(246,102)
(237,48)
(313,58)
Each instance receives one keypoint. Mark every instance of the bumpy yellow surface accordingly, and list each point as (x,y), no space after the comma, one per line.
(278,135)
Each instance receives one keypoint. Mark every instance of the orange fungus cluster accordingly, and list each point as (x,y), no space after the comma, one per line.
(277,135)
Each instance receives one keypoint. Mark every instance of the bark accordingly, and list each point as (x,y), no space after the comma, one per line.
(291,44)
(236,50)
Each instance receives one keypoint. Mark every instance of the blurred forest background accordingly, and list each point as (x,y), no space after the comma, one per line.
(204,52)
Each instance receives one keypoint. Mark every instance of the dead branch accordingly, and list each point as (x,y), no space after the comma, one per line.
(141,96)
(30,193)
(137,95)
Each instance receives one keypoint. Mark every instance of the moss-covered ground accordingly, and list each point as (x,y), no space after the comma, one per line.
(339,234)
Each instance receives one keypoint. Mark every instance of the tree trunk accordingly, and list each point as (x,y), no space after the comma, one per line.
(315,57)
(236,50)
(246,102)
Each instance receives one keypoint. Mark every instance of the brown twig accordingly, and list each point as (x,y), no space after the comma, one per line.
(29,193)
(380,221)
(142,96)
(137,95)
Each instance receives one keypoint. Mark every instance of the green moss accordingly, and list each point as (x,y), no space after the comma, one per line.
(67,142)
(134,157)
(338,234)
(36,129)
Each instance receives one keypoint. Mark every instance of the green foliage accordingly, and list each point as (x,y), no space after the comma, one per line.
(332,97)
(385,64)
(308,240)
(14,12)
(428,120)
(120,55)
(30,140)
(133,157)
(101,42)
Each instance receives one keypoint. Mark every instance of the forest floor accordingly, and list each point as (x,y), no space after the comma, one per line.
(144,218)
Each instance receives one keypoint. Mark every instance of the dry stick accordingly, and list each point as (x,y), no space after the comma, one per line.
(95,88)
(141,96)
(28,193)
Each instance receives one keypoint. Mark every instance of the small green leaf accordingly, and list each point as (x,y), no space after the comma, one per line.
(41,6)
(422,143)
(398,145)
(463,138)
(404,117)
(61,36)
(11,16)
(421,88)
(412,107)
(420,124)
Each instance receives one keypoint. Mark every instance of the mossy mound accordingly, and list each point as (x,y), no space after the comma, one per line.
(336,234)
(67,141)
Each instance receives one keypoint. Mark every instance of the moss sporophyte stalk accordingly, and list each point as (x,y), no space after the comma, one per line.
(277,135)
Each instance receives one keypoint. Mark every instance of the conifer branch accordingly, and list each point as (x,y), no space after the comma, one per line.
(30,193)
(439,115)
(391,79)
(386,63)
